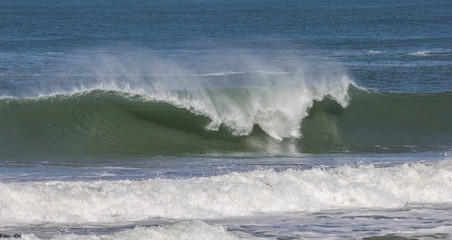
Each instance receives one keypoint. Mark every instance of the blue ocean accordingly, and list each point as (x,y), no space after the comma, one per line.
(214,119)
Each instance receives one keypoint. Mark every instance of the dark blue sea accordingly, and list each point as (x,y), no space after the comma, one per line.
(240,119)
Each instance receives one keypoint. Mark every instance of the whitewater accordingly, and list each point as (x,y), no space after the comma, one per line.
(234,194)
(383,192)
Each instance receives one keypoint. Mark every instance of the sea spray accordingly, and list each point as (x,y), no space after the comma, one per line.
(272,92)
(236,90)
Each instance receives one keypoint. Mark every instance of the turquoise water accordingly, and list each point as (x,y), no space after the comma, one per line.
(225,119)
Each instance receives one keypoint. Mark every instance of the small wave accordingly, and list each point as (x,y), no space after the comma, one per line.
(357,53)
(374,52)
(429,53)
(420,53)
(218,74)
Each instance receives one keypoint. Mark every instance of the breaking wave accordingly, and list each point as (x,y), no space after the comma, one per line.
(133,105)
(112,124)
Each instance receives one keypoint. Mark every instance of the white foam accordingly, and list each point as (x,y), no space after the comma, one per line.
(429,53)
(234,194)
(338,225)
(420,53)
(217,74)
(374,52)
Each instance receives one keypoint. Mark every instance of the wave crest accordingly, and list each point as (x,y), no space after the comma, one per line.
(112,124)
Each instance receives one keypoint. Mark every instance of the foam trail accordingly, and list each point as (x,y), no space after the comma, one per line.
(179,230)
(234,194)
(199,230)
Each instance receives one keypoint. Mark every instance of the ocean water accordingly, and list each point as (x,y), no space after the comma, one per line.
(242,119)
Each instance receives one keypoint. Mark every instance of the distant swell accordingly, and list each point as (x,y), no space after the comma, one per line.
(111,124)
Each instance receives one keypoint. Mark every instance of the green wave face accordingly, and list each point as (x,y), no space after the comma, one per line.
(109,124)
(116,125)
(380,122)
